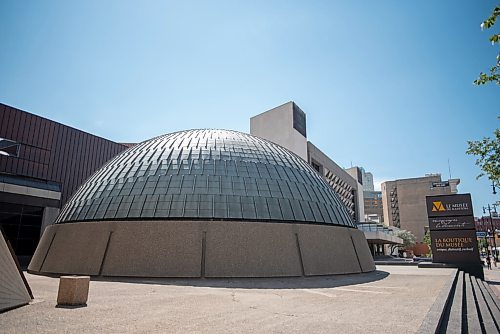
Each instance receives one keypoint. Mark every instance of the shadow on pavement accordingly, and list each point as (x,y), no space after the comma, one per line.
(259,283)
(492,282)
(71,306)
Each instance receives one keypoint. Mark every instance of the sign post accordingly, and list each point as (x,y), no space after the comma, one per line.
(453,233)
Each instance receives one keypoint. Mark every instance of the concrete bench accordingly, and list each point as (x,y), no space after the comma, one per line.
(466,304)
(73,290)
(486,319)
(473,322)
(489,311)
(455,321)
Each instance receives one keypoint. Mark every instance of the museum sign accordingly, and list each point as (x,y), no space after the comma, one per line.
(453,232)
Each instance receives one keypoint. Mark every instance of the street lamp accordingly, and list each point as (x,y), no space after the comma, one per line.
(492,227)
(494,186)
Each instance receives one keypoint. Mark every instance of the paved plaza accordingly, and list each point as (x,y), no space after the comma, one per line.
(394,299)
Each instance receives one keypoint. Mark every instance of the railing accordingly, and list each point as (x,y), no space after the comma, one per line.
(371,227)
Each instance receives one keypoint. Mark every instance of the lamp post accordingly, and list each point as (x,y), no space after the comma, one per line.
(492,227)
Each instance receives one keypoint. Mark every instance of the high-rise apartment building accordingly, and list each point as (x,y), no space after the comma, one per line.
(374,209)
(367,178)
(368,182)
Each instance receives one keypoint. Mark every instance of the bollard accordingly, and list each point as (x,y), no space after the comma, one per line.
(73,290)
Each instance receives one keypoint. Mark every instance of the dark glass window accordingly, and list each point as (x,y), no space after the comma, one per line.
(299,120)
(21,225)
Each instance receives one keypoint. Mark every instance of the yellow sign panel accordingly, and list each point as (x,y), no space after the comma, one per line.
(438,206)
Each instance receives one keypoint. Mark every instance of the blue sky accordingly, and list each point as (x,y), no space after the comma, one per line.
(385,84)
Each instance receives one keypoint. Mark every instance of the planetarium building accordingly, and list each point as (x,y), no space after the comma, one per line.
(204,203)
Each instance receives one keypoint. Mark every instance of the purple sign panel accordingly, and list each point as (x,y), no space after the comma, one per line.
(451,223)
(449,205)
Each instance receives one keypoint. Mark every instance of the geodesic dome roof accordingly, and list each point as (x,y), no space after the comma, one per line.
(210,175)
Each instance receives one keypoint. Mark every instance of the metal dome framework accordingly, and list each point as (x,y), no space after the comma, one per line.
(207,174)
(203,203)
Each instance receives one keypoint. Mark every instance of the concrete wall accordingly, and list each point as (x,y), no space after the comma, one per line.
(200,249)
(13,292)
(29,191)
(360,204)
(386,188)
(317,155)
(346,184)
(276,125)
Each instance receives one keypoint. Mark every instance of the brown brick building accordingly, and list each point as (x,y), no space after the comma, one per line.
(42,163)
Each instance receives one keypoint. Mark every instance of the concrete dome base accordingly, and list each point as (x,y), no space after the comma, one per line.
(200,249)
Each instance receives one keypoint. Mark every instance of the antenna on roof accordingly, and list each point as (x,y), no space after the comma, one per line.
(449,168)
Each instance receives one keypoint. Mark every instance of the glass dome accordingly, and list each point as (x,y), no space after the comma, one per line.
(206,175)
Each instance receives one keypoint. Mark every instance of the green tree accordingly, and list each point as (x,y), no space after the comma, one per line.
(494,73)
(482,244)
(487,151)
(408,240)
(427,241)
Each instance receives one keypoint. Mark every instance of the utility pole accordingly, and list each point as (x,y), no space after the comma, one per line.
(492,227)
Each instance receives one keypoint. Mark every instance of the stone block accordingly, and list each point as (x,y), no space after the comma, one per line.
(73,290)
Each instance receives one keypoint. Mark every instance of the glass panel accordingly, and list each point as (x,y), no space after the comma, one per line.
(316,212)
(286,209)
(202,162)
(123,209)
(235,210)
(306,209)
(274,208)
(261,208)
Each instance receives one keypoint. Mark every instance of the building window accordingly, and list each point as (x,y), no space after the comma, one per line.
(21,225)
(9,148)
(316,166)
(299,120)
